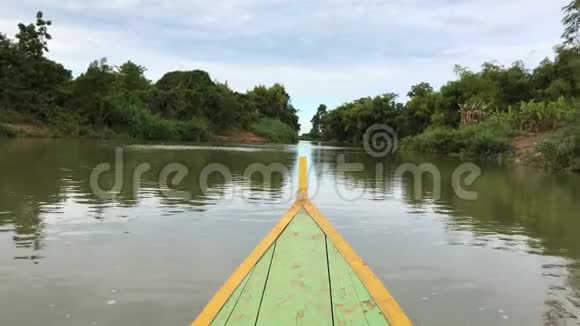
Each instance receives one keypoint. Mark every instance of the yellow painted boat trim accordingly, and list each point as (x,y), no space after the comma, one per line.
(219,299)
(386,302)
(377,290)
(302,179)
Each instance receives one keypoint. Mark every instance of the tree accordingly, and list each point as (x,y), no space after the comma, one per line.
(571,21)
(33,38)
(514,84)
(182,105)
(350,121)
(423,103)
(317,121)
(91,90)
(29,82)
(221,107)
(131,77)
(183,94)
(567,66)
(420,90)
(274,102)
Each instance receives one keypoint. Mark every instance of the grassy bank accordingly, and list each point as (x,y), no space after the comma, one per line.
(275,131)
(482,139)
(546,135)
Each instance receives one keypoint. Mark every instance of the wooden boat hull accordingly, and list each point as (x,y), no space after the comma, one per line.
(303,273)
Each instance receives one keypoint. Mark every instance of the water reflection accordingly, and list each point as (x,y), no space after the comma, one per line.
(42,179)
(518,210)
(509,257)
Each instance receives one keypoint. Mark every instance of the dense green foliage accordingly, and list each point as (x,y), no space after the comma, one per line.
(481,139)
(535,100)
(571,23)
(272,102)
(480,111)
(109,101)
(348,122)
(274,130)
(538,116)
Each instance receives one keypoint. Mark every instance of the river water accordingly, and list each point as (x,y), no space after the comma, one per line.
(153,250)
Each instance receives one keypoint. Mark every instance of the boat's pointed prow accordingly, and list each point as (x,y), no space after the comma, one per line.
(303,272)
(302,178)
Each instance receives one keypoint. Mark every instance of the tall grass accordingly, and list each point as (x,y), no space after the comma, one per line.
(275,130)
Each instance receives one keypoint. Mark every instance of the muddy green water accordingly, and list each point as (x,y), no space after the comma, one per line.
(154,252)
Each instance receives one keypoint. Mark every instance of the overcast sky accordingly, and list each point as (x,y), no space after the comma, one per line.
(322,51)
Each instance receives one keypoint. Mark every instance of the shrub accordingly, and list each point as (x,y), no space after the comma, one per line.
(275,131)
(131,116)
(481,139)
(6,132)
(558,156)
(473,112)
(65,124)
(563,151)
(193,130)
(154,128)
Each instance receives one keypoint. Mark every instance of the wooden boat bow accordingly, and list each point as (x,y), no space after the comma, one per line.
(303,273)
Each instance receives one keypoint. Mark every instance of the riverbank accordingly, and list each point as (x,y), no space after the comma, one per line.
(552,150)
(24,130)
(38,130)
(147,127)
(526,146)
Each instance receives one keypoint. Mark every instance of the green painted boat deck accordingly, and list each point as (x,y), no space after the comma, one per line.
(302,279)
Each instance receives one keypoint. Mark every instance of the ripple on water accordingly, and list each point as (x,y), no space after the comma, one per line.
(506,234)
(33,258)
